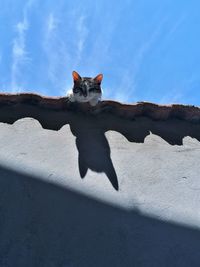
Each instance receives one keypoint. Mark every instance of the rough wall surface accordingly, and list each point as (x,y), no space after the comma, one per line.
(50,216)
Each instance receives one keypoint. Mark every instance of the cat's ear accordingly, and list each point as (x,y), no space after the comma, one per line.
(76,76)
(99,78)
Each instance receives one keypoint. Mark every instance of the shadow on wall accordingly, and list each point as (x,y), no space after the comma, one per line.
(93,149)
(89,130)
(45,225)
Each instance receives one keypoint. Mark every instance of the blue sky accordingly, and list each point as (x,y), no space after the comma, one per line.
(147,50)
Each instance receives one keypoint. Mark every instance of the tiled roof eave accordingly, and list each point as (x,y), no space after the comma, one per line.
(129,111)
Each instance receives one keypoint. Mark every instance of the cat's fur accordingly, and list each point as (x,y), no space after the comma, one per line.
(86,89)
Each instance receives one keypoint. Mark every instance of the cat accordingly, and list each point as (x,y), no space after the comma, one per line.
(86,89)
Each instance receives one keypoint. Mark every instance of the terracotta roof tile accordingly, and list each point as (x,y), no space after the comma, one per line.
(129,111)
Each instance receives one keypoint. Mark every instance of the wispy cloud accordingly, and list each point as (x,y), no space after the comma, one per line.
(64,52)
(81,36)
(175,96)
(147,45)
(125,91)
(99,53)
(128,85)
(55,48)
(19,53)
(176,26)
(179,93)
(52,23)
(82,32)
(143,51)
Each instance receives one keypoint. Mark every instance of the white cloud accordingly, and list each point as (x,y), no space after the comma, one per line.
(147,45)
(178,93)
(99,53)
(18,50)
(55,49)
(129,84)
(176,26)
(82,32)
(125,91)
(57,46)
(19,54)
(52,23)
(174,97)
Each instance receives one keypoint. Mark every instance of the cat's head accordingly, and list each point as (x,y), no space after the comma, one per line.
(86,88)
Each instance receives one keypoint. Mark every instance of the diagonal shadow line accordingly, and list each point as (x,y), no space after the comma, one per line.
(43,224)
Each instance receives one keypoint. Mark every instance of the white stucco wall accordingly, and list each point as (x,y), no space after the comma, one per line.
(157,180)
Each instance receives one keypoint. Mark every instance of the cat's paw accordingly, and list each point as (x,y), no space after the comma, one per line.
(70,96)
(69,104)
(94,102)
(71,99)
(66,99)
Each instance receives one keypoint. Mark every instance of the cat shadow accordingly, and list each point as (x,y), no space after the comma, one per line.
(93,149)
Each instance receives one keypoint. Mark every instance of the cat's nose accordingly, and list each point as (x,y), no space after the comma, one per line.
(85,94)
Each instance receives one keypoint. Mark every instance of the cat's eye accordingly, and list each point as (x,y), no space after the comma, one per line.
(95,90)
(76,90)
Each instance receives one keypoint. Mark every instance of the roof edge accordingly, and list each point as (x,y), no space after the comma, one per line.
(130,111)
